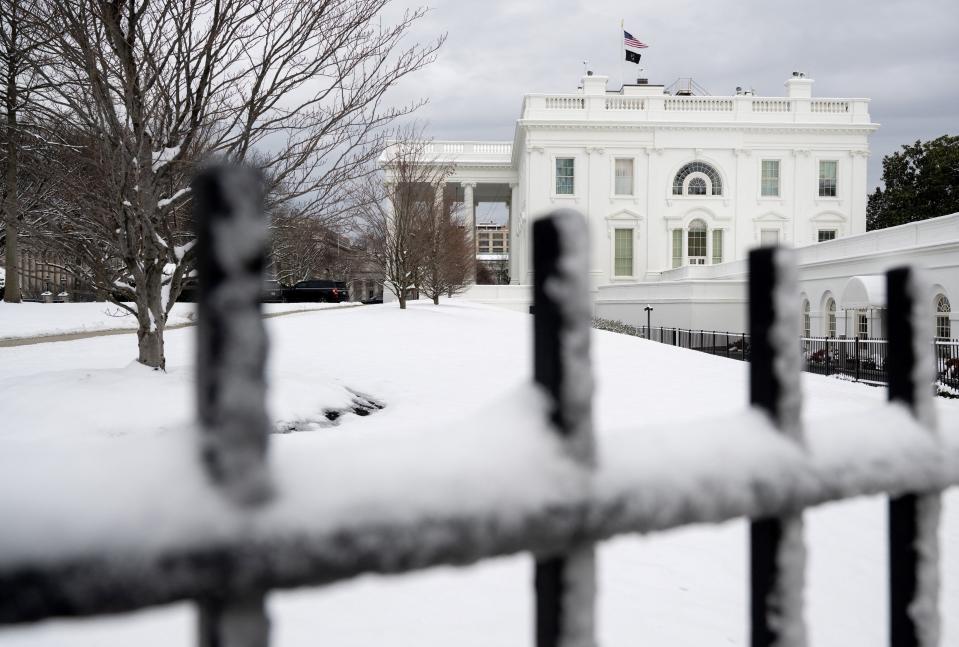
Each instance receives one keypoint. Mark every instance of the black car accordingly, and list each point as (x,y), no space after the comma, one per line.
(273,292)
(316,290)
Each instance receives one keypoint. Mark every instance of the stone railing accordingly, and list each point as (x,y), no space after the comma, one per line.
(829,105)
(772,105)
(698,104)
(665,108)
(625,103)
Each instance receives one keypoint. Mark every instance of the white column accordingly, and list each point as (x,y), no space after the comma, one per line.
(514,267)
(471,218)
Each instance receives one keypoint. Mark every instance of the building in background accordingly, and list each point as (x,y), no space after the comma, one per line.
(677,187)
(492,253)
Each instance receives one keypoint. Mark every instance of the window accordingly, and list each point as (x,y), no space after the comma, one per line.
(564,176)
(862,328)
(704,171)
(623,252)
(677,247)
(831,317)
(697,186)
(717,246)
(827,178)
(826,234)
(943,310)
(696,243)
(624,177)
(806,320)
(769,237)
(769,182)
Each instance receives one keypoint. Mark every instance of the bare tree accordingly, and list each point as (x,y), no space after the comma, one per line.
(447,256)
(397,213)
(28,167)
(295,87)
(302,247)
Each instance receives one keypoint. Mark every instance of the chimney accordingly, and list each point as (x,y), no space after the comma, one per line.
(593,84)
(798,86)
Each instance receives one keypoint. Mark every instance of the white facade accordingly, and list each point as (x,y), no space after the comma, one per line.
(650,137)
(677,189)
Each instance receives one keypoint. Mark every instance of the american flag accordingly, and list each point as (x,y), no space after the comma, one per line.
(629,41)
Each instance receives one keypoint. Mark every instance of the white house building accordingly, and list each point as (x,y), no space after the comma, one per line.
(678,188)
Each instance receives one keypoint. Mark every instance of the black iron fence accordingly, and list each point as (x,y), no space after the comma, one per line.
(861,360)
(603,489)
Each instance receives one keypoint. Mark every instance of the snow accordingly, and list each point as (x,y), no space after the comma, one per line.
(684,587)
(163,202)
(164,156)
(28,320)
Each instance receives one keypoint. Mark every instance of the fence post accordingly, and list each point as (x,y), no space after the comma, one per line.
(827,355)
(565,584)
(913,518)
(856,344)
(231,358)
(777,552)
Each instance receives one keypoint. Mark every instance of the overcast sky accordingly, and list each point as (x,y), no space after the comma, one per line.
(902,55)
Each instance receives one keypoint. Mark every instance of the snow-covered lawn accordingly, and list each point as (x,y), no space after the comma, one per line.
(46,319)
(431,367)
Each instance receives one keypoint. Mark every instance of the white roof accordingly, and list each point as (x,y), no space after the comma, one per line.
(864,292)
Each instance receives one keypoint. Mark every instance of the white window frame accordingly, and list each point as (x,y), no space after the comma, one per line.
(554,177)
(806,318)
(776,230)
(819,162)
(943,317)
(831,319)
(624,219)
(779,179)
(633,178)
(632,250)
(700,259)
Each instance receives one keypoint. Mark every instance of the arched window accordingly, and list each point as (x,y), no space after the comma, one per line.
(806,324)
(831,317)
(696,243)
(703,180)
(943,310)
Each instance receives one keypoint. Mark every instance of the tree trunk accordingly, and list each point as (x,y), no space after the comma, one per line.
(11,292)
(436,299)
(151,320)
(402,300)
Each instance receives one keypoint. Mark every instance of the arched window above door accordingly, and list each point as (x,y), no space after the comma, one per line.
(697,178)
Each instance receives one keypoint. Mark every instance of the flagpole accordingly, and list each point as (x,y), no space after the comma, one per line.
(620,54)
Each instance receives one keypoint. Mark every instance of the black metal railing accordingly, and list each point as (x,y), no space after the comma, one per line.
(603,489)
(858,359)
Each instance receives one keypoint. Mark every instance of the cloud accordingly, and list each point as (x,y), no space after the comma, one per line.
(904,56)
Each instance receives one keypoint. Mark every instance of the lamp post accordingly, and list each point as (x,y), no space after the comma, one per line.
(649,328)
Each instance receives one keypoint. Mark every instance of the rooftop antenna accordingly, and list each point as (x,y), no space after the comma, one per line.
(586,69)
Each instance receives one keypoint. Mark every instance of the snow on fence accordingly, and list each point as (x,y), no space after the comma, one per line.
(538,483)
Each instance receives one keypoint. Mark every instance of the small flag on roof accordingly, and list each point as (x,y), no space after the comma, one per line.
(631,44)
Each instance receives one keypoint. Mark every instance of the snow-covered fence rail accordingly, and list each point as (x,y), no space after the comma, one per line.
(540,483)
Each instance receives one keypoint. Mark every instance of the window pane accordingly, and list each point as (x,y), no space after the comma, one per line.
(717,246)
(770,178)
(697,186)
(623,250)
(769,237)
(696,247)
(624,177)
(564,176)
(677,247)
(827,178)
(827,234)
